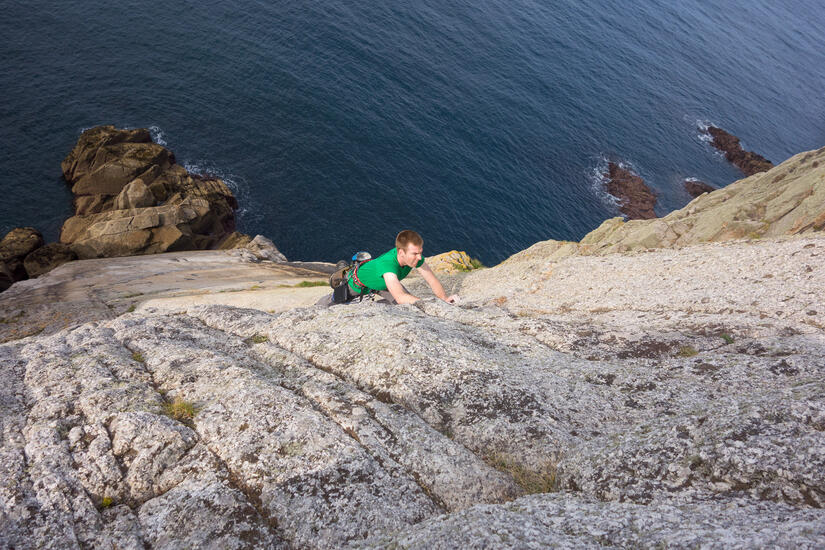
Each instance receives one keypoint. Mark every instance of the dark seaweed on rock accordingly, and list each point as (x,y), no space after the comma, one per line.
(635,197)
(750,163)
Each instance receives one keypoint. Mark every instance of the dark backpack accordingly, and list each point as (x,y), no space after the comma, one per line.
(338,280)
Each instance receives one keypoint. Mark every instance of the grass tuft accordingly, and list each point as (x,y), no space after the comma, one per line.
(106,503)
(727,338)
(475,263)
(258,339)
(687,351)
(304,284)
(180,410)
(531,481)
(137,356)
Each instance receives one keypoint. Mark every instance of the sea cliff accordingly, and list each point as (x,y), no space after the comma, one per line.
(657,384)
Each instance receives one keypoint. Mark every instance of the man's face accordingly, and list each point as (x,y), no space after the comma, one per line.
(410,255)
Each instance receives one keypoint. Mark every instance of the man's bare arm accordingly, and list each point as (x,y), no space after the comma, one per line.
(400,295)
(435,284)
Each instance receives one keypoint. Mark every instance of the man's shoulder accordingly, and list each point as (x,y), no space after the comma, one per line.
(388,259)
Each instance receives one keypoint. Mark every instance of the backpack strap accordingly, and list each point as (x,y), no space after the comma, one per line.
(357,281)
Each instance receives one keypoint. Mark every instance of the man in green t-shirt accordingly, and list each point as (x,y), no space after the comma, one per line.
(385,273)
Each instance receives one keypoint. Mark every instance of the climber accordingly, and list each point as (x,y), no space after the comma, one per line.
(383,275)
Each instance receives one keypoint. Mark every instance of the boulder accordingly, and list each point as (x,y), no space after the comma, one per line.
(48,257)
(14,247)
(135,195)
(265,249)
(636,200)
(696,187)
(750,163)
(19,242)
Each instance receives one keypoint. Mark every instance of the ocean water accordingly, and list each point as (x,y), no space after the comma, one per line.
(483,125)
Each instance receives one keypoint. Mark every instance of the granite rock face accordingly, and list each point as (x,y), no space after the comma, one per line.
(559,521)
(131,198)
(574,398)
(689,418)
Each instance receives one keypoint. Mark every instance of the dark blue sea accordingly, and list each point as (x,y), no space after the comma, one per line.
(483,125)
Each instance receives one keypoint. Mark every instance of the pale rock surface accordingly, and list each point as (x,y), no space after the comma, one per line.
(566,521)
(265,249)
(89,290)
(135,195)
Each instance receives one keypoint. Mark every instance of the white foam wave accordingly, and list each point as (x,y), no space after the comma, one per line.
(206,168)
(158,136)
(237,184)
(596,176)
(702,126)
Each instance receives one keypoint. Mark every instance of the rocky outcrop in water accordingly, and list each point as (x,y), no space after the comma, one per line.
(696,187)
(130,198)
(750,163)
(636,200)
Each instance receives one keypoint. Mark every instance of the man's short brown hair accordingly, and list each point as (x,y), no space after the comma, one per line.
(408,237)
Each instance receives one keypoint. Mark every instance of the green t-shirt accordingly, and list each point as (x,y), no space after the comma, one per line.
(372,272)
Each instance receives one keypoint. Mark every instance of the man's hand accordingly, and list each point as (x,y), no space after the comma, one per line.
(435,284)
